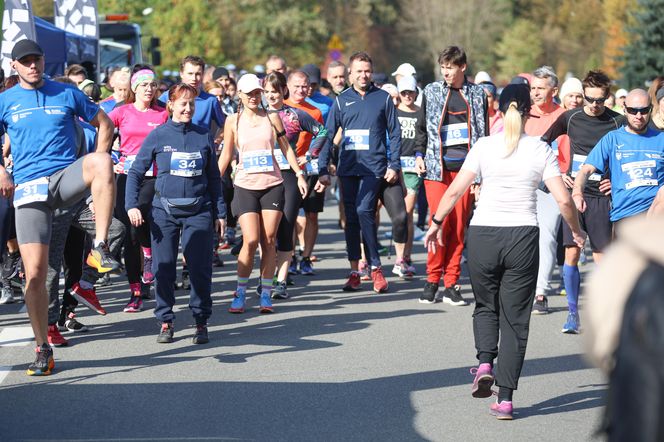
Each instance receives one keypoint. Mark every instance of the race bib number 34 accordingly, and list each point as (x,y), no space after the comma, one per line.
(256,161)
(31,192)
(186,164)
(356,139)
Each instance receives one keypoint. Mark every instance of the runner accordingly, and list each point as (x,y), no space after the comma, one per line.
(135,120)
(188,201)
(336,76)
(366,114)
(315,98)
(259,192)
(495,116)
(408,70)
(503,242)
(571,97)
(657,119)
(48,175)
(585,127)
(456,116)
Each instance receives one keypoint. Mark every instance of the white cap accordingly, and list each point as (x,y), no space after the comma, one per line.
(248,83)
(407,83)
(621,93)
(230,67)
(390,89)
(483,77)
(259,69)
(404,69)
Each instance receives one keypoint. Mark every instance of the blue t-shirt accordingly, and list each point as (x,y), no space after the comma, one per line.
(206,109)
(321,102)
(40,124)
(636,164)
(90,136)
(108,105)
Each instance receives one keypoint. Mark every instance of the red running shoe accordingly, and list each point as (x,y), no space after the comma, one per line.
(379,282)
(354,283)
(55,338)
(87,297)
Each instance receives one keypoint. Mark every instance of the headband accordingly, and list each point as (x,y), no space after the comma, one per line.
(141,76)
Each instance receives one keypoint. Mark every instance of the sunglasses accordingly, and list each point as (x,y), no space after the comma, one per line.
(637,110)
(595,100)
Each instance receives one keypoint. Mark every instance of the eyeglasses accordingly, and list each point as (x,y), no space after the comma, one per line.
(637,110)
(592,100)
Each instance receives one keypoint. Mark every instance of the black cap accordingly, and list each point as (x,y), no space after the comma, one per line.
(220,72)
(520,80)
(24,48)
(519,93)
(380,78)
(312,72)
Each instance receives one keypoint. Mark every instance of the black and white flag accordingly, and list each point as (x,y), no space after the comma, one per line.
(17,24)
(77,16)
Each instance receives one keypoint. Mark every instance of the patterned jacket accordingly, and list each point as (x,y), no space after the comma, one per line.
(433,103)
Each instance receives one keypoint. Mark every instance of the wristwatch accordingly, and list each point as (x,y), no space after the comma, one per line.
(435,221)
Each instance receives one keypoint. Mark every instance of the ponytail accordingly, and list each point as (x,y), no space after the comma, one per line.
(513,128)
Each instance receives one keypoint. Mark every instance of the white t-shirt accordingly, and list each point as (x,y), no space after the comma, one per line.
(507,196)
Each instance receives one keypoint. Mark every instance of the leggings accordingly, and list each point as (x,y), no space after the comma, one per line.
(293,200)
(228,191)
(392,197)
(135,237)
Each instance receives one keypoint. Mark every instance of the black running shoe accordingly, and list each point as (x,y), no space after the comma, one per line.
(428,296)
(452,296)
(11,265)
(166,333)
(101,259)
(44,362)
(145,291)
(201,335)
(541,305)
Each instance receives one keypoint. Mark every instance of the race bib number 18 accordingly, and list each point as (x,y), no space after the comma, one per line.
(31,192)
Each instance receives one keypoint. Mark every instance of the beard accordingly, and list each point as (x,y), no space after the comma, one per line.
(637,128)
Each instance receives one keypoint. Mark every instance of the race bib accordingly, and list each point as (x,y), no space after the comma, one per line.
(281,160)
(30,192)
(256,161)
(408,164)
(577,162)
(128,163)
(311,167)
(454,134)
(186,164)
(356,139)
(639,174)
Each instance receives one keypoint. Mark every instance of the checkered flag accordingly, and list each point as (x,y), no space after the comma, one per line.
(17,24)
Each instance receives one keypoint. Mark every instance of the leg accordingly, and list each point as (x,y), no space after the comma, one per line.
(60,224)
(352,229)
(454,234)
(292,203)
(548,218)
(367,197)
(35,261)
(250,225)
(166,237)
(197,249)
(98,176)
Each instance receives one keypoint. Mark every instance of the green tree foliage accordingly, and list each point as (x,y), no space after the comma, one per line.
(519,50)
(644,56)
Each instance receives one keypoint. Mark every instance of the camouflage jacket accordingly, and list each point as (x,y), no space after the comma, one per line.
(433,103)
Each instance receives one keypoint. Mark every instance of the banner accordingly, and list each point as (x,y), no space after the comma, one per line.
(17,24)
(77,16)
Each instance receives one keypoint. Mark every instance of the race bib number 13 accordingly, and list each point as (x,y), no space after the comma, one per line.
(31,192)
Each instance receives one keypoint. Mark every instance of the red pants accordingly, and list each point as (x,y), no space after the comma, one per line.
(447,259)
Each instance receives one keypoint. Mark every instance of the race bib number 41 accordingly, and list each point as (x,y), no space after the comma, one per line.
(255,161)
(356,139)
(186,164)
(31,192)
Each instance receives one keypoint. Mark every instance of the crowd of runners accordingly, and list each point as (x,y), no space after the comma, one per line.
(124,176)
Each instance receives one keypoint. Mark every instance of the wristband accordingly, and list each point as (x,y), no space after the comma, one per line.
(281,134)
(435,221)
(299,173)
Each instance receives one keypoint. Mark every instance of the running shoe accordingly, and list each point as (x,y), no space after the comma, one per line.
(541,305)
(571,326)
(165,333)
(235,250)
(11,265)
(44,362)
(483,381)
(147,277)
(265,304)
(289,280)
(363,268)
(502,411)
(68,322)
(88,297)
(452,296)
(7,295)
(186,283)
(379,282)
(145,291)
(55,339)
(410,266)
(237,306)
(279,291)
(104,281)
(201,335)
(216,259)
(428,295)
(229,238)
(354,283)
(292,268)
(101,259)
(135,303)
(306,268)
(401,269)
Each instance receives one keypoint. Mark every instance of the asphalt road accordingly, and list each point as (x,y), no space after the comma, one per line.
(326,366)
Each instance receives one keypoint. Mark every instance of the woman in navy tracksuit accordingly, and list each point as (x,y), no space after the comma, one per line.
(187,197)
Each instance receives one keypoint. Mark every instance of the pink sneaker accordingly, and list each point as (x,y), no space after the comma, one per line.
(483,381)
(502,411)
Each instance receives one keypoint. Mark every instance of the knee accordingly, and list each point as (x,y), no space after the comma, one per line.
(101,163)
(269,242)
(251,244)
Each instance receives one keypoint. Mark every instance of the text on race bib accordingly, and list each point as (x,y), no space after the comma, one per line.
(311,167)
(255,161)
(281,159)
(129,161)
(639,174)
(408,164)
(356,139)
(31,192)
(454,134)
(186,164)
(577,162)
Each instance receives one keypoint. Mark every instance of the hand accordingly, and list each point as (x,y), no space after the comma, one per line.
(579,238)
(6,185)
(135,217)
(324,180)
(332,169)
(220,226)
(569,181)
(475,190)
(302,185)
(419,165)
(91,206)
(434,235)
(391,176)
(579,202)
(301,161)
(605,186)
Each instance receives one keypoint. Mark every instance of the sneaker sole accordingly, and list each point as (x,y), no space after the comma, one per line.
(381,290)
(350,288)
(426,301)
(165,341)
(540,312)
(236,311)
(501,416)
(49,370)
(282,297)
(449,301)
(131,310)
(62,344)
(265,310)
(199,341)
(570,331)
(483,388)
(92,262)
(86,303)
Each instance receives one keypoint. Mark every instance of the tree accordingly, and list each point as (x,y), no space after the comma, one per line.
(519,50)
(644,56)
(615,40)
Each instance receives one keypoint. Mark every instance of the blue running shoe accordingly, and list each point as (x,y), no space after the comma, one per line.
(266,304)
(306,268)
(237,306)
(292,268)
(571,326)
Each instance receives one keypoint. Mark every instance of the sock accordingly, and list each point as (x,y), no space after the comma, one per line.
(572,280)
(97,242)
(504,394)
(242,284)
(135,287)
(147,252)
(266,286)
(85,285)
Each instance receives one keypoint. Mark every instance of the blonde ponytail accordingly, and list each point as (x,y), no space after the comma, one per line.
(513,128)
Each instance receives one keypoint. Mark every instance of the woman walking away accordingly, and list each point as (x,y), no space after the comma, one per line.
(503,242)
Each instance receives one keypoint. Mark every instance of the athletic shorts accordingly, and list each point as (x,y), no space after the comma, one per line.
(314,202)
(413,182)
(594,221)
(65,188)
(254,201)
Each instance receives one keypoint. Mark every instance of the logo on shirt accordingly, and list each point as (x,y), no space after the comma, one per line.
(151,124)
(348,103)
(169,149)
(15,107)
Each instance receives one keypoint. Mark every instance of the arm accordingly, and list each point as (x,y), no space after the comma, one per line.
(421,138)
(394,131)
(657,206)
(558,128)
(316,129)
(136,174)
(567,207)
(288,152)
(229,144)
(332,124)
(105,128)
(579,184)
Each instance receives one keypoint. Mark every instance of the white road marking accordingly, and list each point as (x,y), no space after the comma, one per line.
(4,371)
(23,309)
(16,336)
